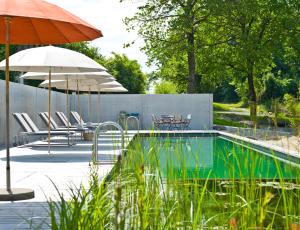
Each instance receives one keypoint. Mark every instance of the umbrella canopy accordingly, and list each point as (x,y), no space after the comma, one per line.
(114,90)
(51,58)
(87,85)
(66,76)
(40,22)
(35,22)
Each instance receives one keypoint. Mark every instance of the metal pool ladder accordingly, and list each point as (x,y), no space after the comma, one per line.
(134,118)
(96,135)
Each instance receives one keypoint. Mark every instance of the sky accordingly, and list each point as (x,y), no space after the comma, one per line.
(108,15)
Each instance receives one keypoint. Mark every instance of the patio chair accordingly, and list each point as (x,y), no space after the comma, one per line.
(176,122)
(167,121)
(157,122)
(30,129)
(186,122)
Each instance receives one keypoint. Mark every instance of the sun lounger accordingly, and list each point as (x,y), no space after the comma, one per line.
(30,129)
(80,121)
(54,125)
(62,117)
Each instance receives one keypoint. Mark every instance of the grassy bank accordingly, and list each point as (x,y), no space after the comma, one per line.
(226,107)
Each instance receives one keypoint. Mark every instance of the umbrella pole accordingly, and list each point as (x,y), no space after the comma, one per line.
(90,106)
(98,117)
(68,112)
(49,110)
(78,96)
(7,44)
(9,194)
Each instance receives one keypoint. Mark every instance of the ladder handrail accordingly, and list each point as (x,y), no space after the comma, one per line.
(134,118)
(96,134)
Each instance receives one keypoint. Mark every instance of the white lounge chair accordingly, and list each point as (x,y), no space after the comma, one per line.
(80,121)
(30,129)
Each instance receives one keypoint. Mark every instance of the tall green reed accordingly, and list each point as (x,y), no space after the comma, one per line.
(163,183)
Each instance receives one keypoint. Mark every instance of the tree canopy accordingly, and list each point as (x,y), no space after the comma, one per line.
(200,45)
(127,72)
(165,87)
(170,28)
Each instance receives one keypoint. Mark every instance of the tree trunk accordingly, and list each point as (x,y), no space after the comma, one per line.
(192,83)
(252,97)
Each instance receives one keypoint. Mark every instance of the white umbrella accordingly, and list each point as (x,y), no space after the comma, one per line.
(118,89)
(66,76)
(109,88)
(56,59)
(53,60)
(69,79)
(83,86)
(114,90)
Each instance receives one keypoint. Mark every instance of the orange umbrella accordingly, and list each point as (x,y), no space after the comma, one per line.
(41,23)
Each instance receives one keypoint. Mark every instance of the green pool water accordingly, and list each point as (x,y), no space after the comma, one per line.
(213,157)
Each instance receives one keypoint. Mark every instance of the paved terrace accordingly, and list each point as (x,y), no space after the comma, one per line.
(32,167)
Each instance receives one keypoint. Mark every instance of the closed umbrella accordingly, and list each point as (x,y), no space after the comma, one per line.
(35,22)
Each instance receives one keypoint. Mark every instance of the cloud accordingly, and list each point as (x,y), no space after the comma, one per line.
(108,15)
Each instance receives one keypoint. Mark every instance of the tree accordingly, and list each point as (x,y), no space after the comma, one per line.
(86,49)
(169,29)
(165,87)
(255,30)
(275,88)
(127,72)
(13,75)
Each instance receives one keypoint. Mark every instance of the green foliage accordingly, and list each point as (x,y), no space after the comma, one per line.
(221,107)
(13,75)
(171,31)
(275,88)
(127,72)
(292,106)
(234,41)
(225,92)
(165,87)
(220,121)
(86,49)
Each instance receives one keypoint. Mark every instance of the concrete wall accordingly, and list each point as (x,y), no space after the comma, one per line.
(30,100)
(33,100)
(199,105)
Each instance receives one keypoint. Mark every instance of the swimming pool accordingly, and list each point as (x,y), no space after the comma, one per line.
(213,157)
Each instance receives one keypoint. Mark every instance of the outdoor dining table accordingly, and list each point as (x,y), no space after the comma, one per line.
(169,121)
